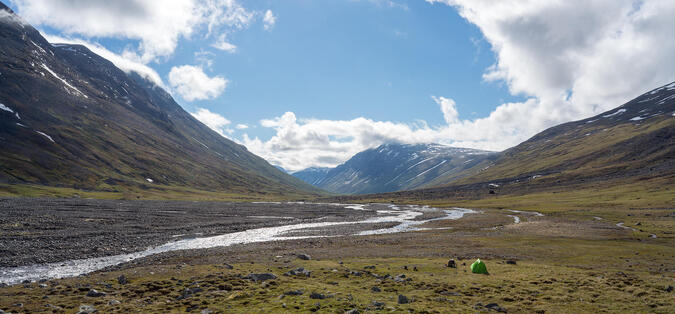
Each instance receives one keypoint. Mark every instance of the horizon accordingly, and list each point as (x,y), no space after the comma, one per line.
(315,96)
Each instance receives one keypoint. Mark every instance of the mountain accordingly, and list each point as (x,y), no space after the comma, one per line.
(627,149)
(635,139)
(312,175)
(394,167)
(70,118)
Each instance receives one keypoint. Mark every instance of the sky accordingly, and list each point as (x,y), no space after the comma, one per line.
(307,83)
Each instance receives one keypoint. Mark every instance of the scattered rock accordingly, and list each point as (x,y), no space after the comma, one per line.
(352,311)
(401,278)
(405,267)
(669,288)
(403,299)
(122,280)
(415,268)
(86,309)
(228,266)
(293,292)
(317,296)
(378,304)
(298,271)
(206,311)
(113,302)
(261,277)
(94,294)
(369,267)
(375,289)
(188,292)
(511,262)
(304,257)
(356,273)
(451,264)
(495,307)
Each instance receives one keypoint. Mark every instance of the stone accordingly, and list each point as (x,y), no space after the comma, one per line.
(86,309)
(95,294)
(304,257)
(511,262)
(377,304)
(188,292)
(122,280)
(452,264)
(261,277)
(401,278)
(206,311)
(403,299)
(495,307)
(293,292)
(298,272)
(375,289)
(669,288)
(317,296)
(352,311)
(114,302)
(228,266)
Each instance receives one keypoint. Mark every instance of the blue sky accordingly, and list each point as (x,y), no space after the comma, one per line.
(310,83)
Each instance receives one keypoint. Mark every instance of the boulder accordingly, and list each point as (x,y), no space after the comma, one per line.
(403,299)
(261,277)
(94,294)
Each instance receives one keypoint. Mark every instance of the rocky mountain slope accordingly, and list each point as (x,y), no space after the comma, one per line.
(631,147)
(312,175)
(394,167)
(637,138)
(69,118)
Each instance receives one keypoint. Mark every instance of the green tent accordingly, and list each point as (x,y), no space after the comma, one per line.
(478,267)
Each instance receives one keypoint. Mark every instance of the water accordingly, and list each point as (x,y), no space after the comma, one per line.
(403,215)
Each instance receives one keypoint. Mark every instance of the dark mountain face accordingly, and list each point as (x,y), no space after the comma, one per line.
(312,175)
(394,167)
(71,118)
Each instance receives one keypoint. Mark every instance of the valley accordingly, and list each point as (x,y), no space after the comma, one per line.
(121,191)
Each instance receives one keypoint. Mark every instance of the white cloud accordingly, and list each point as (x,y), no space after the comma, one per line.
(121,62)
(327,143)
(193,84)
(242,126)
(578,57)
(269,20)
(213,120)
(156,25)
(448,108)
(224,45)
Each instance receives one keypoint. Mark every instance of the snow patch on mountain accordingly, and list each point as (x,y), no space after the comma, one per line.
(45,135)
(77,91)
(618,112)
(5,108)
